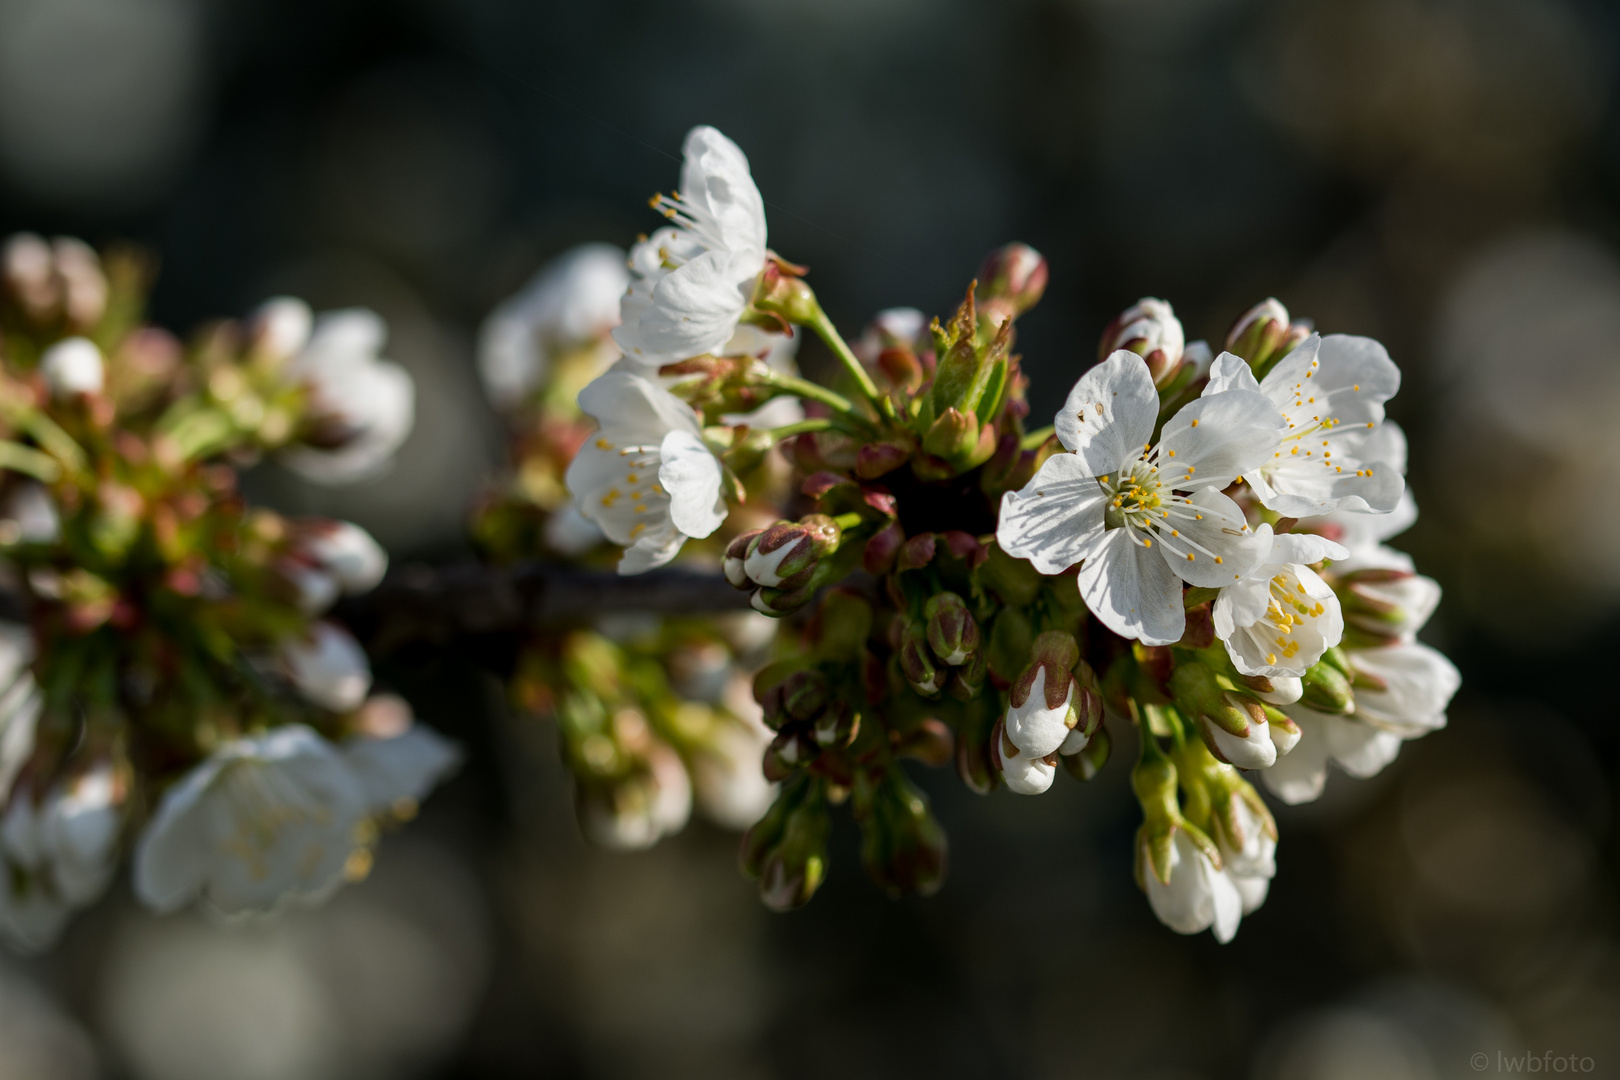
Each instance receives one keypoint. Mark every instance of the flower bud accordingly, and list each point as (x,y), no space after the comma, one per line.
(734,562)
(877,459)
(1233,725)
(355,561)
(1024,774)
(1326,688)
(968,680)
(1284,731)
(903,846)
(836,727)
(1089,760)
(915,553)
(1273,689)
(1264,334)
(787,849)
(953,435)
(73,366)
(781,291)
(916,664)
(785,555)
(1387,605)
(952,632)
(1150,329)
(805,694)
(328,667)
(1041,711)
(1011,281)
(877,558)
(779,602)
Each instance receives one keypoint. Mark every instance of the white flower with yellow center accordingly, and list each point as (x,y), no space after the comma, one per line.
(1281,618)
(1142,518)
(646,478)
(692,282)
(265,821)
(1331,392)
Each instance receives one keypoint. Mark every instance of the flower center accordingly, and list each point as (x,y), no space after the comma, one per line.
(1287,607)
(1144,501)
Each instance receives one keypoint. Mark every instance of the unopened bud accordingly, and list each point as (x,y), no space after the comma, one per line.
(1284,731)
(1387,605)
(916,664)
(781,291)
(1150,329)
(953,435)
(1273,689)
(836,727)
(873,460)
(968,680)
(902,844)
(915,553)
(877,558)
(791,750)
(787,849)
(1089,759)
(734,562)
(1264,334)
(952,632)
(785,555)
(1326,689)
(1011,281)
(805,694)
(1024,774)
(1233,725)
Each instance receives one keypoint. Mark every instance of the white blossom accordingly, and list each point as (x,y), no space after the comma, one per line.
(328,667)
(1282,616)
(1197,896)
(1255,749)
(692,282)
(1034,727)
(73,366)
(363,406)
(1114,502)
(572,304)
(264,821)
(645,478)
(29,515)
(1331,391)
(1024,774)
(396,759)
(333,558)
(57,854)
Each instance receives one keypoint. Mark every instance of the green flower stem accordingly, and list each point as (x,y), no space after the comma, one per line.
(25,459)
(1036,438)
(829,333)
(787,431)
(58,443)
(849,521)
(812,392)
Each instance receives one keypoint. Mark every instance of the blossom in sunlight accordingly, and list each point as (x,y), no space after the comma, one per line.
(645,478)
(1331,391)
(1281,618)
(570,306)
(693,280)
(1142,518)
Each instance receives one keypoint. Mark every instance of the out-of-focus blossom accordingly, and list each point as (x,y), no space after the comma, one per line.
(73,366)
(570,306)
(329,667)
(58,853)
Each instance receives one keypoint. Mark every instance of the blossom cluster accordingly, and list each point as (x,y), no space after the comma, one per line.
(1193,549)
(173,689)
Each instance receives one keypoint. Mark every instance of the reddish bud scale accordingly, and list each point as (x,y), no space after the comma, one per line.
(878,459)
(879,554)
(915,553)
(736,553)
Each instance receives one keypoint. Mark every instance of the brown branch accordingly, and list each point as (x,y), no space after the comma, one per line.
(438,604)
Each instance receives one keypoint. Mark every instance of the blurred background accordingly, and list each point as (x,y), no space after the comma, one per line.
(1443,175)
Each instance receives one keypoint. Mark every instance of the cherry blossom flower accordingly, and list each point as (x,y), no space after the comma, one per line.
(645,478)
(1331,391)
(1281,617)
(263,822)
(73,366)
(328,667)
(58,854)
(692,281)
(1197,896)
(1142,518)
(571,305)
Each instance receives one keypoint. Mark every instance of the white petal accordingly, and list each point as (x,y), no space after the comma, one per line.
(1253,890)
(1213,529)
(691,475)
(1025,775)
(1252,751)
(1230,372)
(1359,749)
(1056,519)
(1034,728)
(406,766)
(1132,590)
(1421,683)
(1109,415)
(1300,776)
(1304,548)
(695,307)
(631,408)
(715,174)
(1216,439)
(652,549)
(1227,903)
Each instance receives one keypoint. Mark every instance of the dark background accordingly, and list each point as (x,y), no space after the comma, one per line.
(1441,174)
